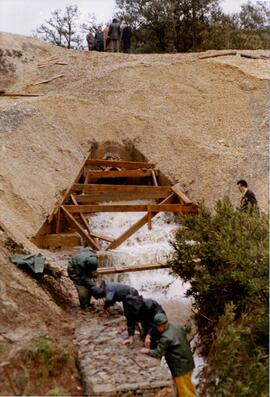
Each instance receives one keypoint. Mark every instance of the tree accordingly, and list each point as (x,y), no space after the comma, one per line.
(225,256)
(62,28)
(169,25)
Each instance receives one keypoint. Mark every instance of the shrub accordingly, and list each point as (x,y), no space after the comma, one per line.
(224,257)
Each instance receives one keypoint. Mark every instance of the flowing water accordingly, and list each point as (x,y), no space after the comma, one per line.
(144,247)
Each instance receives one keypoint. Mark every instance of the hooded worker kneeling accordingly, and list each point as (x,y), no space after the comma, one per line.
(173,345)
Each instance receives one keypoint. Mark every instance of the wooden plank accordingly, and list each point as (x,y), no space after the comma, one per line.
(61,240)
(102,237)
(136,189)
(18,94)
(116,196)
(93,175)
(77,209)
(177,189)
(126,269)
(131,165)
(48,80)
(136,226)
(154,177)
(80,230)
(218,54)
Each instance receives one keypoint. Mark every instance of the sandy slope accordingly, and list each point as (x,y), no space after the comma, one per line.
(203,122)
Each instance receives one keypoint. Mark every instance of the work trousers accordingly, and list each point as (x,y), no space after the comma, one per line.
(84,295)
(184,385)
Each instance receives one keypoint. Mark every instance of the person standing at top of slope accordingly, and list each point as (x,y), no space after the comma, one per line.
(114,34)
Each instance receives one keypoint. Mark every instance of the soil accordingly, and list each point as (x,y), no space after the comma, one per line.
(204,123)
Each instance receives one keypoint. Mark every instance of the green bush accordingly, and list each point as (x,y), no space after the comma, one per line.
(224,257)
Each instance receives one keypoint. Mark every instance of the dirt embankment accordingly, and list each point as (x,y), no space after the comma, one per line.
(203,122)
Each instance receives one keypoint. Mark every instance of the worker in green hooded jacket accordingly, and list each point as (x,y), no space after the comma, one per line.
(80,270)
(173,345)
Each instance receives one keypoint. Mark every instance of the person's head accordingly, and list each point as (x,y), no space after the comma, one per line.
(160,321)
(91,264)
(98,292)
(134,303)
(115,20)
(242,185)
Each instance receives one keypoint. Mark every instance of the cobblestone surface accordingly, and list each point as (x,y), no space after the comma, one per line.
(109,368)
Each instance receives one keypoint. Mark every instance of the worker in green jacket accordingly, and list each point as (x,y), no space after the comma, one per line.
(173,345)
(80,269)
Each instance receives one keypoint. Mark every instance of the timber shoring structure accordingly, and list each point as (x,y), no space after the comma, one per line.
(100,181)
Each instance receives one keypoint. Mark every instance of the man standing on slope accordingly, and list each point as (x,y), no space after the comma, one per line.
(248,200)
(173,345)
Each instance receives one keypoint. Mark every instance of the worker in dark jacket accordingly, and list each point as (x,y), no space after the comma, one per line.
(80,269)
(142,312)
(248,200)
(173,345)
(113,292)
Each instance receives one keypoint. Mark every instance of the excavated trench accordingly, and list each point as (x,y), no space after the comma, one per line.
(108,367)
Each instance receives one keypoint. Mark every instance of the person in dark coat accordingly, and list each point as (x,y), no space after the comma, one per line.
(125,37)
(99,40)
(248,200)
(80,270)
(173,345)
(90,40)
(113,292)
(114,34)
(141,311)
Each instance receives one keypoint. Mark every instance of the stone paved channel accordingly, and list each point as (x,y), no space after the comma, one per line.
(111,369)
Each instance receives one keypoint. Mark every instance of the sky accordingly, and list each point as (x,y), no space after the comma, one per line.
(23,16)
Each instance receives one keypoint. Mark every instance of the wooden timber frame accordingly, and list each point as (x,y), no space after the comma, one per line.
(100,181)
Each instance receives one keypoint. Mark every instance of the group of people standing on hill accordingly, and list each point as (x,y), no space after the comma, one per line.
(113,37)
(160,338)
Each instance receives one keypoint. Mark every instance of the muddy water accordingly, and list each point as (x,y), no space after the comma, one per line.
(143,247)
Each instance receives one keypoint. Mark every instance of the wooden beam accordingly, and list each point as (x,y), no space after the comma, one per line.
(136,189)
(177,190)
(93,175)
(154,177)
(116,196)
(67,193)
(218,54)
(125,269)
(61,240)
(80,230)
(84,220)
(136,226)
(102,237)
(87,209)
(48,80)
(130,165)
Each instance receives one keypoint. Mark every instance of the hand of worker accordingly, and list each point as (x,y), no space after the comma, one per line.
(129,341)
(144,350)
(147,341)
